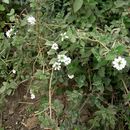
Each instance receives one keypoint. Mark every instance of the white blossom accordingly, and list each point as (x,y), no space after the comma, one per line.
(14,71)
(67,61)
(61,58)
(32,95)
(64,59)
(31,20)
(54,46)
(119,63)
(71,76)
(64,36)
(57,66)
(9,33)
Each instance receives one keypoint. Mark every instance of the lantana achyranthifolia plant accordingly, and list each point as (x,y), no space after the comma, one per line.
(75,56)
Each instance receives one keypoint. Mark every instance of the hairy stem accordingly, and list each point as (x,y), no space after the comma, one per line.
(50,95)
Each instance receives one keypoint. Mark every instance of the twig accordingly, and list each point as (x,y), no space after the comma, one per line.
(38,24)
(94,40)
(85,102)
(26,103)
(38,113)
(50,94)
(127,91)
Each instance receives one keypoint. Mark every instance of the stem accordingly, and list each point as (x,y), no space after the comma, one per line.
(95,40)
(38,113)
(38,24)
(50,95)
(127,91)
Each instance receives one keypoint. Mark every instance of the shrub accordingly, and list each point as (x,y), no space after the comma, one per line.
(77,50)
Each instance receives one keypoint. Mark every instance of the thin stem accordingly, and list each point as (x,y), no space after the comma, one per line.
(38,113)
(127,91)
(50,95)
(95,40)
(38,24)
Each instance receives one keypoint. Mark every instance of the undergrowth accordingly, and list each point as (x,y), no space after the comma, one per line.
(75,56)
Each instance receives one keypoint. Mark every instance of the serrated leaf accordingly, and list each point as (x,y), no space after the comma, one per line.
(12,18)
(77,5)
(120,49)
(52,61)
(40,74)
(51,52)
(2,8)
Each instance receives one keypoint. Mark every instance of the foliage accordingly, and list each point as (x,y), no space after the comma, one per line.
(90,32)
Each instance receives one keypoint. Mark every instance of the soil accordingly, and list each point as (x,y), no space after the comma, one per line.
(15,115)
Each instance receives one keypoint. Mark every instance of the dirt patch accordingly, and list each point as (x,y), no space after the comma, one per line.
(15,115)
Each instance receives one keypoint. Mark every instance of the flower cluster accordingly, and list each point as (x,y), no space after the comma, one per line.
(32,95)
(61,59)
(9,33)
(119,63)
(57,66)
(64,59)
(54,46)
(31,20)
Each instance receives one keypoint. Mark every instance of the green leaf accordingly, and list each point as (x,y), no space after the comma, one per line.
(120,3)
(80,80)
(12,11)
(128,60)
(101,72)
(2,8)
(5,1)
(110,56)
(51,52)
(120,49)
(96,54)
(12,18)
(77,5)
(40,74)
(52,61)
(2,89)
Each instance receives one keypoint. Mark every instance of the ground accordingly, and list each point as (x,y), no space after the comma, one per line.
(19,110)
(16,114)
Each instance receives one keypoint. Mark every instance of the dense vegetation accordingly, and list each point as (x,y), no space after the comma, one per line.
(66,57)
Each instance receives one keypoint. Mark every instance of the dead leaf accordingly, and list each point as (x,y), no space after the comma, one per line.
(31,122)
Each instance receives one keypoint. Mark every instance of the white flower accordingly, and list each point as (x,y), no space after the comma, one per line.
(64,36)
(9,32)
(57,66)
(119,63)
(14,71)
(31,20)
(55,46)
(64,59)
(61,58)
(71,76)
(67,61)
(32,95)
